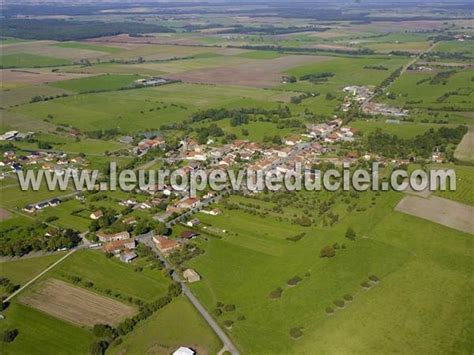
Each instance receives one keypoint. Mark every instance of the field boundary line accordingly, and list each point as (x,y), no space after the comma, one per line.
(39,275)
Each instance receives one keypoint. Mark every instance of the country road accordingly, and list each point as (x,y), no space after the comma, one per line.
(404,69)
(228,345)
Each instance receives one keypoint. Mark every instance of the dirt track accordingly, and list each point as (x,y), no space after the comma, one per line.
(439,210)
(76,305)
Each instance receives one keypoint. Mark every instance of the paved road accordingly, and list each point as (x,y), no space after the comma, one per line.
(228,345)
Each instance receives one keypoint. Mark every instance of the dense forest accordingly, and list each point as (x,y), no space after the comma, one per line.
(61,30)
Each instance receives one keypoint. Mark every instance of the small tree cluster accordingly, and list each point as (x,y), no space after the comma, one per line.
(327,252)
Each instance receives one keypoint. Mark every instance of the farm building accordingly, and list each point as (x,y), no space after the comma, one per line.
(188,202)
(191,275)
(193,222)
(96,215)
(184,351)
(128,257)
(164,244)
(189,234)
(105,238)
(117,246)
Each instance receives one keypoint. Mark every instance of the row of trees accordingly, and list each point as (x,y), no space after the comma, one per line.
(107,334)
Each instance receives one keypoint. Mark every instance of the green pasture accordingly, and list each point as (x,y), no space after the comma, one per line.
(415,89)
(141,109)
(464,182)
(26,60)
(347,70)
(97,83)
(254,257)
(20,271)
(178,324)
(39,333)
(111,273)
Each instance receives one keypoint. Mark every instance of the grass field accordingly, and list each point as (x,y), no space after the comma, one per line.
(466,47)
(92,47)
(23,93)
(140,109)
(26,60)
(178,324)
(42,334)
(255,255)
(13,197)
(97,83)
(112,274)
(415,89)
(22,270)
(348,71)
(260,55)
(464,181)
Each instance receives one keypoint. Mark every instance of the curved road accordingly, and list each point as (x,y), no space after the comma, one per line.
(228,345)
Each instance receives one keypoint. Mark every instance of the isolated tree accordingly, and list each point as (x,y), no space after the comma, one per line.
(327,252)
(9,335)
(350,234)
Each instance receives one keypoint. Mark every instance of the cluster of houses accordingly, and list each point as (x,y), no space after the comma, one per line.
(121,245)
(358,94)
(375,108)
(145,145)
(361,95)
(42,205)
(58,163)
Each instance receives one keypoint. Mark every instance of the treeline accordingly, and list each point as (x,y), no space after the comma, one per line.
(429,56)
(20,240)
(61,30)
(108,334)
(387,81)
(271,30)
(391,146)
(238,116)
(103,133)
(375,67)
(305,50)
(317,77)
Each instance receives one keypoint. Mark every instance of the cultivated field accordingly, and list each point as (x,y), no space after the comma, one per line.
(465,149)
(75,305)
(439,210)
(258,73)
(16,76)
